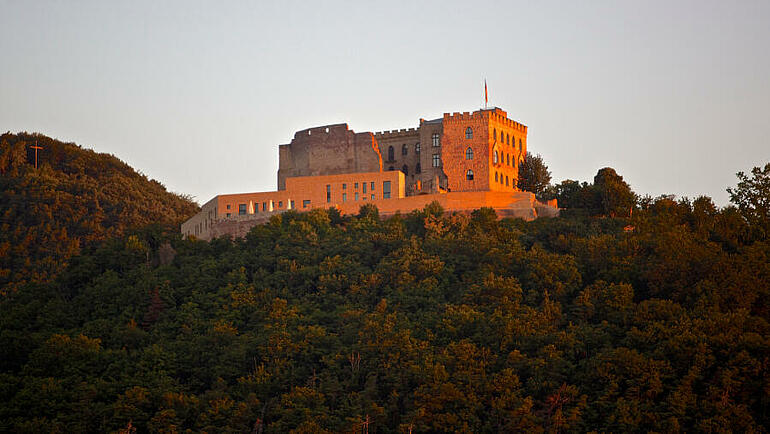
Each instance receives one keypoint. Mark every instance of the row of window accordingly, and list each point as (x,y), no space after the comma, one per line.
(404,151)
(266,207)
(506,138)
(356,196)
(506,159)
(499,178)
(435,140)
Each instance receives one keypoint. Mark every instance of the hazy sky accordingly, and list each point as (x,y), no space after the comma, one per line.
(674,95)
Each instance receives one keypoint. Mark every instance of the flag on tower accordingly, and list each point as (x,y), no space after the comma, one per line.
(486,95)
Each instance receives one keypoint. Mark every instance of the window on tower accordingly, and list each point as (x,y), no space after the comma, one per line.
(496,158)
(391,154)
(469,175)
(404,150)
(469,133)
(469,154)
(436,160)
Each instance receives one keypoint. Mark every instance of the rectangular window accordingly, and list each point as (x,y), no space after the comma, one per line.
(228,214)
(355,186)
(356,195)
(386,189)
(364,187)
(241,209)
(228,206)
(344,186)
(264,206)
(280,204)
(436,160)
(435,139)
(292,205)
(305,203)
(372,197)
(371,186)
(344,197)
(328,193)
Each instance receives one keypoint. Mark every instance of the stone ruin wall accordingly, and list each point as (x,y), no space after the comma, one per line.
(328,150)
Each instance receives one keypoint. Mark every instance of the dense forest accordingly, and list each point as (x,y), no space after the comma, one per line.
(74,198)
(625,314)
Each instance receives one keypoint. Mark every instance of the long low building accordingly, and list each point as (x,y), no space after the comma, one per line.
(471,160)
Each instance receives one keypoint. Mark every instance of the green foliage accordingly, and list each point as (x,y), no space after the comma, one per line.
(315,322)
(613,195)
(75,199)
(534,175)
(752,197)
(430,322)
(609,195)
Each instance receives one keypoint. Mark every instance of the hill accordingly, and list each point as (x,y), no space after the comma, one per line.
(75,198)
(424,323)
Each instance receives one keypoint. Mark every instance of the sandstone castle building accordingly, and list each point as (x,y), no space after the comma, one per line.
(464,161)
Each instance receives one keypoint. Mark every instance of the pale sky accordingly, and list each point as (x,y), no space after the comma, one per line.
(198,95)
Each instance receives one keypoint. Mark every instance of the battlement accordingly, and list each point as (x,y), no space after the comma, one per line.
(403,132)
(465,116)
(325,129)
(496,114)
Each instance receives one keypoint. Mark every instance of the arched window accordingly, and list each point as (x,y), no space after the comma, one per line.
(469,154)
(391,154)
(417,148)
(469,133)
(496,177)
(520,144)
(508,159)
(506,180)
(494,133)
(404,150)
(418,168)
(502,136)
(513,141)
(507,139)
(435,139)
(405,169)
(496,157)
(469,175)
(513,163)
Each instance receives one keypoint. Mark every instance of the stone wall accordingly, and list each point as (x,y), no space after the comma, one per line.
(328,150)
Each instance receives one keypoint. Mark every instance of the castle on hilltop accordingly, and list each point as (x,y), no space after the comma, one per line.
(464,161)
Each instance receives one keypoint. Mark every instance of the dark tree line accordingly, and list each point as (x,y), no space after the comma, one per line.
(434,322)
(600,320)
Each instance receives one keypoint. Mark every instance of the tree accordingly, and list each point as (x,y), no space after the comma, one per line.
(571,194)
(534,175)
(613,195)
(752,197)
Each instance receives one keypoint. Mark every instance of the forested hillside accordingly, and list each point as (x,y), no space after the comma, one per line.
(75,198)
(651,320)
